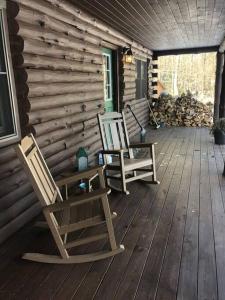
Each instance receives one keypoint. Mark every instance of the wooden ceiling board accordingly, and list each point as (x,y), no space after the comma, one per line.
(163,24)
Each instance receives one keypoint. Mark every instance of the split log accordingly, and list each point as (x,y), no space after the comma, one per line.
(183,111)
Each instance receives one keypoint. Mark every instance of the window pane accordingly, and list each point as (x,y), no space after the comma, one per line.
(2,59)
(141,79)
(6,121)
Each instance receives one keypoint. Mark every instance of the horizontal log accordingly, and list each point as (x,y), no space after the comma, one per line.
(92,133)
(90,123)
(50,76)
(129,98)
(55,38)
(51,114)
(16,181)
(52,148)
(9,168)
(58,135)
(68,152)
(131,91)
(19,222)
(130,85)
(42,116)
(44,62)
(45,21)
(45,89)
(50,50)
(73,17)
(7,154)
(13,196)
(17,208)
(47,102)
(64,122)
(129,67)
(102,27)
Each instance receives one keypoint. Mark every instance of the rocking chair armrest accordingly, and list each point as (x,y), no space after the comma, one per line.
(79,175)
(77,200)
(115,151)
(144,145)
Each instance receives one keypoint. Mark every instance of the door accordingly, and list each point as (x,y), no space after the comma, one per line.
(108,79)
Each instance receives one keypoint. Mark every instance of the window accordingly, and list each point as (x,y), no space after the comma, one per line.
(108,78)
(9,121)
(141,79)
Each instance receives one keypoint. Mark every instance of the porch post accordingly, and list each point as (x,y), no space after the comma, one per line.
(218,84)
(222,94)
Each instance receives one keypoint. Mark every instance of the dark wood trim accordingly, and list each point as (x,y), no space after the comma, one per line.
(116,57)
(222,97)
(218,83)
(186,51)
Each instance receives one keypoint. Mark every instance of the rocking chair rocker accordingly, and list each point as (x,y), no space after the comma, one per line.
(124,166)
(53,206)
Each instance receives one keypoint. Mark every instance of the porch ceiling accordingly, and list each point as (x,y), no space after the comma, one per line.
(163,24)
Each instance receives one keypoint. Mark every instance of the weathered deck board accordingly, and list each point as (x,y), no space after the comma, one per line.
(174,236)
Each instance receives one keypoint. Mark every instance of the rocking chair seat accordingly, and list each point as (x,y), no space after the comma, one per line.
(131,164)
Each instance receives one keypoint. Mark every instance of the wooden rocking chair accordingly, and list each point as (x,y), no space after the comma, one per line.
(53,206)
(116,143)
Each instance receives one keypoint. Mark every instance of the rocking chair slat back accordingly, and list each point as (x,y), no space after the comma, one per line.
(114,132)
(36,168)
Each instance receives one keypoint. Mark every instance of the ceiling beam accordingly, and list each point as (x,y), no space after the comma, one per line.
(186,51)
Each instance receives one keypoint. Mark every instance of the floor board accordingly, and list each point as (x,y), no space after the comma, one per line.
(174,235)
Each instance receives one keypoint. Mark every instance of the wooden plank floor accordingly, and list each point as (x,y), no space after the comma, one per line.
(174,235)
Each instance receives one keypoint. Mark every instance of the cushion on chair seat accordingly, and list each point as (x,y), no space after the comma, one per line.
(131,164)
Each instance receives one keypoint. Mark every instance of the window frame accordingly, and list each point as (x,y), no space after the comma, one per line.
(14,137)
(143,82)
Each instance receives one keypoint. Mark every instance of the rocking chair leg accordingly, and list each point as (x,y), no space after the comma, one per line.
(109,223)
(152,152)
(123,176)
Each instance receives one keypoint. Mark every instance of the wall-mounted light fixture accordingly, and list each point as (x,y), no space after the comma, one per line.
(128,55)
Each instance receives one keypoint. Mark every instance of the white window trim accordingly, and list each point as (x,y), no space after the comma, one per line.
(16,136)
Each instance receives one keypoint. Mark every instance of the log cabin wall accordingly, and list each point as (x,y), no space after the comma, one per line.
(57,61)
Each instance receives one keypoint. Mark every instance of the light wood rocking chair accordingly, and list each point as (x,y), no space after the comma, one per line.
(116,143)
(53,205)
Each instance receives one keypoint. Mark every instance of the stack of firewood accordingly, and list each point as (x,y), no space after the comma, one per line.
(183,111)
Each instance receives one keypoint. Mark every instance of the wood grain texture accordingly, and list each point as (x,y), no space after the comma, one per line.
(163,230)
(58,70)
(163,25)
